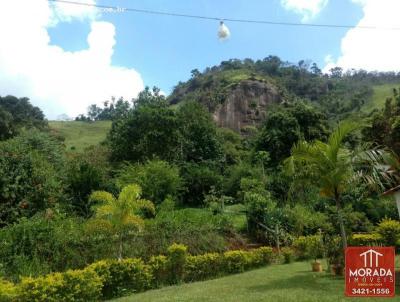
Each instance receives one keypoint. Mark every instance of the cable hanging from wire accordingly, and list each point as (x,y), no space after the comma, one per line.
(267,22)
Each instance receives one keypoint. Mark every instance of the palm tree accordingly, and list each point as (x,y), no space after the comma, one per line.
(120,216)
(329,165)
(385,176)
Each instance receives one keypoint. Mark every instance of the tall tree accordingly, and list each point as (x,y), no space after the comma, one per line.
(18,113)
(146,132)
(198,134)
(329,165)
(280,131)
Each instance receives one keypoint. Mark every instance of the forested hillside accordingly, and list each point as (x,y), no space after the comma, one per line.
(243,154)
(243,91)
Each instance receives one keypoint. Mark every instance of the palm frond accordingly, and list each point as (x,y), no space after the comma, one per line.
(335,140)
(130,193)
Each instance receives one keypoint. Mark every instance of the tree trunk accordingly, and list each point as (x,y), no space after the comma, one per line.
(340,218)
(277,239)
(397,198)
(120,249)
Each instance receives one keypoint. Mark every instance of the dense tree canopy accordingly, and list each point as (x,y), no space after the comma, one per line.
(146,132)
(385,124)
(285,126)
(199,141)
(29,178)
(18,113)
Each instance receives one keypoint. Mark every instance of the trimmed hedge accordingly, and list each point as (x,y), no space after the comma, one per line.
(8,291)
(213,265)
(177,254)
(70,286)
(366,239)
(288,255)
(122,277)
(203,267)
(107,279)
(308,247)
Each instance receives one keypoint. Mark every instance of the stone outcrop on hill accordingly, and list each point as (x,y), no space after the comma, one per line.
(246,105)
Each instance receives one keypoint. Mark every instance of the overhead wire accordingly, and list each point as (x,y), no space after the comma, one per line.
(182,15)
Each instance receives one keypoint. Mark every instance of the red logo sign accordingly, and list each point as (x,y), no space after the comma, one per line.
(370,271)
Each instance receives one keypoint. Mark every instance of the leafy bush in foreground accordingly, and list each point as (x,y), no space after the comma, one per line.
(368,239)
(50,242)
(29,178)
(112,278)
(122,277)
(157,178)
(308,247)
(8,291)
(288,255)
(389,230)
(71,286)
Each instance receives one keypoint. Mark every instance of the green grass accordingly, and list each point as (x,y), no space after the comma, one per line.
(80,135)
(381,92)
(237,216)
(277,283)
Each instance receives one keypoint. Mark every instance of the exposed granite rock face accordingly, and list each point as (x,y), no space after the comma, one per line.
(246,105)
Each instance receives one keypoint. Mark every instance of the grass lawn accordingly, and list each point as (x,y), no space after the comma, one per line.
(237,216)
(290,282)
(381,92)
(80,135)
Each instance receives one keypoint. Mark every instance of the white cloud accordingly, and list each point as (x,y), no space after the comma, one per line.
(308,9)
(328,59)
(372,49)
(67,12)
(59,81)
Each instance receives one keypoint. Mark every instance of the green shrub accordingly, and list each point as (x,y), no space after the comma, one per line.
(122,277)
(50,243)
(389,230)
(177,254)
(334,249)
(146,209)
(198,181)
(234,262)
(108,279)
(71,286)
(30,181)
(45,243)
(158,266)
(265,255)
(157,178)
(8,291)
(369,239)
(288,255)
(167,205)
(213,264)
(198,229)
(203,267)
(86,172)
(308,247)
(303,220)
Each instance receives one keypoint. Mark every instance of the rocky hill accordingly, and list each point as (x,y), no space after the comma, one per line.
(246,104)
(237,99)
(240,93)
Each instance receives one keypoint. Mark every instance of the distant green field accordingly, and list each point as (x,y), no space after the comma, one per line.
(381,92)
(80,135)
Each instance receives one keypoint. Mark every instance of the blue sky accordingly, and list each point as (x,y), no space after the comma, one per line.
(165,49)
(65,57)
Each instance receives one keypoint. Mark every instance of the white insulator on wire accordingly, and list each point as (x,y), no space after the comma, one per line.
(223,31)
